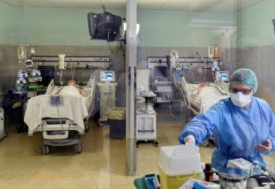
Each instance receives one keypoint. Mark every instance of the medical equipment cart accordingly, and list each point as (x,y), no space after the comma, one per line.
(107,100)
(107,90)
(146,130)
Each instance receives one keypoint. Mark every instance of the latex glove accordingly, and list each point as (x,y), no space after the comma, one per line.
(189,139)
(265,147)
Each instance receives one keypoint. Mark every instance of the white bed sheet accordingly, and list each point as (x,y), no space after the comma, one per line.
(73,91)
(39,107)
(210,95)
(74,107)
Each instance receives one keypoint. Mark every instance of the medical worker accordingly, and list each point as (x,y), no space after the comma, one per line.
(244,126)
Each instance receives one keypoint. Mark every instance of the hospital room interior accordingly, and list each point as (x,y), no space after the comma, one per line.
(94,94)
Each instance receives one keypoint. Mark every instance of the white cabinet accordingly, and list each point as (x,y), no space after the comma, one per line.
(146,129)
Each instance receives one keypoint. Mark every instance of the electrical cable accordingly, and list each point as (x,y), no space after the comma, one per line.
(59,117)
(114,52)
(72,75)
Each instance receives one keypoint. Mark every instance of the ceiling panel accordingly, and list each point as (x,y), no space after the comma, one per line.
(176,4)
(194,5)
(150,4)
(234,5)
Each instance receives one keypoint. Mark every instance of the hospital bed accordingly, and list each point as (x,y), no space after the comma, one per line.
(61,114)
(200,97)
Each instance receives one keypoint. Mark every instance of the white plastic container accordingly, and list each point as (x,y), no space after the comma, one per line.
(232,178)
(177,164)
(239,163)
(180,159)
(171,180)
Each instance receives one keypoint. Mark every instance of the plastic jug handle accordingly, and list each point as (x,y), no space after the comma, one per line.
(185,149)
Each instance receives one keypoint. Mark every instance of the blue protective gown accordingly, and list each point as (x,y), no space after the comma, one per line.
(237,132)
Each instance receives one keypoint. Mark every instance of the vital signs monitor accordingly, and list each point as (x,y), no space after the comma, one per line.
(107,76)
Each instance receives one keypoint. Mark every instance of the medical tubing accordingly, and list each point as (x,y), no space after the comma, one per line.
(109,100)
(60,78)
(72,76)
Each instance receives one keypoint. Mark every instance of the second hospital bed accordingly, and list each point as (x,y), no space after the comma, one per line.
(61,115)
(200,97)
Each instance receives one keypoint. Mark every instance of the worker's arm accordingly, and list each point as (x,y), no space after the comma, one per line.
(190,139)
(202,126)
(268,146)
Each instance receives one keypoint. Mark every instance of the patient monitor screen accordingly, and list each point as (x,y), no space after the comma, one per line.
(107,76)
(224,75)
(160,71)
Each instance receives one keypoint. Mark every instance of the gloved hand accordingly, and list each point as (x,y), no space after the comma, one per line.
(189,139)
(265,147)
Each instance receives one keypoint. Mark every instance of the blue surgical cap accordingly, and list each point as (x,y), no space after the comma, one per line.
(245,76)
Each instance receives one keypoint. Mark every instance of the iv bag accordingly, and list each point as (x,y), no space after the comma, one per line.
(174,56)
(22,52)
(61,58)
(211,51)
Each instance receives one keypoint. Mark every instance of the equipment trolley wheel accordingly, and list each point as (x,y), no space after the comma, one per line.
(156,144)
(78,148)
(46,149)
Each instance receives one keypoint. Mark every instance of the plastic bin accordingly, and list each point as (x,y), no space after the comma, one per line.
(117,121)
(180,159)
(177,164)
(175,181)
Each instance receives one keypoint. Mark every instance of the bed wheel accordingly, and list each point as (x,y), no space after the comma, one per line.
(78,148)
(137,144)
(45,149)
(86,127)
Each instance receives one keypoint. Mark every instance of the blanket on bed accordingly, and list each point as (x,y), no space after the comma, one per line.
(39,107)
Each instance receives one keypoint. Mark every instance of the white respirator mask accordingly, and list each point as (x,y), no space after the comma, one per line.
(239,99)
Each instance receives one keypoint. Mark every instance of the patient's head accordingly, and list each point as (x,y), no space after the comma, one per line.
(72,82)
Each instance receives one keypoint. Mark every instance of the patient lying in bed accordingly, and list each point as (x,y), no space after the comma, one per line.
(75,107)
(71,89)
(198,89)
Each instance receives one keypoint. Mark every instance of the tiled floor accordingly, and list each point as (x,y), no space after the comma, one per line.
(101,165)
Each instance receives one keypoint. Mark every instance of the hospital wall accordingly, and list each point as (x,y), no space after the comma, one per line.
(256,46)
(187,32)
(52,31)
(9,64)
(68,26)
